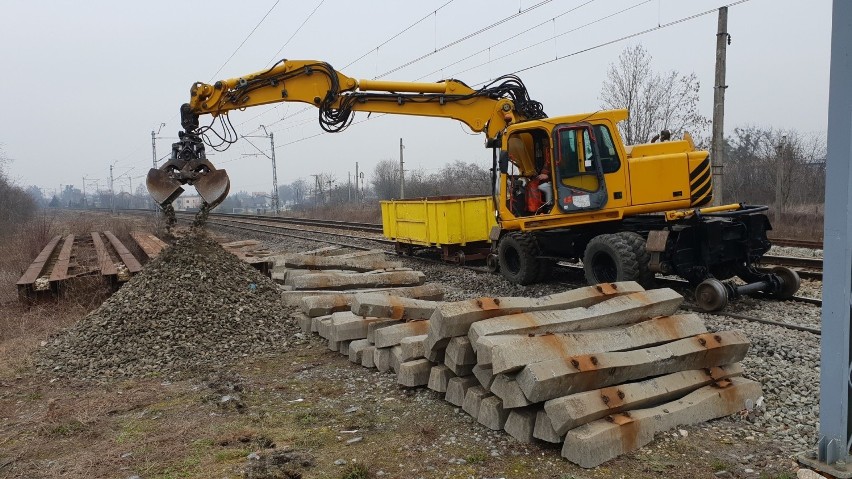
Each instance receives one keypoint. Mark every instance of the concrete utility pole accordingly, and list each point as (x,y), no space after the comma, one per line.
(779,180)
(111,190)
(401,172)
(349,185)
(835,408)
(154,143)
(317,189)
(357,198)
(723,39)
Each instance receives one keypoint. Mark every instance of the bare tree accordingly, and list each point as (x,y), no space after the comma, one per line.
(757,153)
(300,190)
(655,101)
(386,179)
(16,206)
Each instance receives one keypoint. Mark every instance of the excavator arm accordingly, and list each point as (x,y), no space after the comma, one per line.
(489,109)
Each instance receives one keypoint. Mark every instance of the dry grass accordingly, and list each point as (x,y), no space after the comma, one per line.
(798,225)
(24,327)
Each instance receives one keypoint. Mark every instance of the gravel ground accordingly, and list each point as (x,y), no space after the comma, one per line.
(193,309)
(786,362)
(792,251)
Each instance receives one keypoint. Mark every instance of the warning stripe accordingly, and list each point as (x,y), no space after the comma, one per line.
(700,184)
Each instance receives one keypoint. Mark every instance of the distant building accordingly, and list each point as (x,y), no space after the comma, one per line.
(187,203)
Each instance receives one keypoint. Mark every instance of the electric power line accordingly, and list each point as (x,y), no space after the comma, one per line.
(213,77)
(632,35)
(391,38)
(466,37)
(577,52)
(554,37)
(295,32)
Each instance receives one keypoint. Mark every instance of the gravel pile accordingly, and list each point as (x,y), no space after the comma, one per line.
(786,362)
(196,308)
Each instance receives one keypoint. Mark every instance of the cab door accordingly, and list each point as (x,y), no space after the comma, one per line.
(579,177)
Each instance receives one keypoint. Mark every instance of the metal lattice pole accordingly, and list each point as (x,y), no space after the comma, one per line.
(832,453)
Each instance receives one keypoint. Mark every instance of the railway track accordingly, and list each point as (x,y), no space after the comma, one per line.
(294,229)
(796,243)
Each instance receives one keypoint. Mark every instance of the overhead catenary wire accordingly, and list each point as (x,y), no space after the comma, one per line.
(364,55)
(491,46)
(274,57)
(555,36)
(577,52)
(632,35)
(213,77)
(464,38)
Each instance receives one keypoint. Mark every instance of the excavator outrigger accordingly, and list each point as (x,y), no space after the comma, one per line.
(565,187)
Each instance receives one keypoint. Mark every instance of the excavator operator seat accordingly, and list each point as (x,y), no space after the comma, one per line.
(518,152)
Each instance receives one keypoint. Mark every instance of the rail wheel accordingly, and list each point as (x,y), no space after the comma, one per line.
(518,262)
(460,258)
(711,295)
(609,258)
(790,282)
(492,263)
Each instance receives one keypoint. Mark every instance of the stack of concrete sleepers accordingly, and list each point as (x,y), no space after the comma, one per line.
(600,369)
(331,270)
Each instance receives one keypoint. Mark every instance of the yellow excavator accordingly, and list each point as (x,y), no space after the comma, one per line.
(564,188)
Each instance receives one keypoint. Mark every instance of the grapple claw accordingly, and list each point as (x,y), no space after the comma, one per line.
(213,187)
(188,165)
(162,187)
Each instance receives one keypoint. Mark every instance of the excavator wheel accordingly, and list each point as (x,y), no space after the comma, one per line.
(518,258)
(790,282)
(636,242)
(610,258)
(711,295)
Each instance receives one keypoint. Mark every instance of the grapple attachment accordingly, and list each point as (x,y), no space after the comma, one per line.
(188,165)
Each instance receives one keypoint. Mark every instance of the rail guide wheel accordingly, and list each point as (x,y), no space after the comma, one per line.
(790,282)
(492,263)
(460,258)
(711,295)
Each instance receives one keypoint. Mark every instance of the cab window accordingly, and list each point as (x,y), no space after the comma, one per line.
(606,148)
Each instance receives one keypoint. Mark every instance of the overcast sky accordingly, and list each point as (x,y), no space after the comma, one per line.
(86,82)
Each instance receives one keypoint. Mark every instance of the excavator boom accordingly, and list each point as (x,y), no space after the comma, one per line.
(489,109)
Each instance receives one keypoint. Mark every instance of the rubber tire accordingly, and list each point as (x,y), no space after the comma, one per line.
(646,277)
(517,253)
(609,258)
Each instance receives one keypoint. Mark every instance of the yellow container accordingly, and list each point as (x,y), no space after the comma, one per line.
(439,221)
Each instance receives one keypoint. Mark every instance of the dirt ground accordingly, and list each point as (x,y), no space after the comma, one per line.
(307,413)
